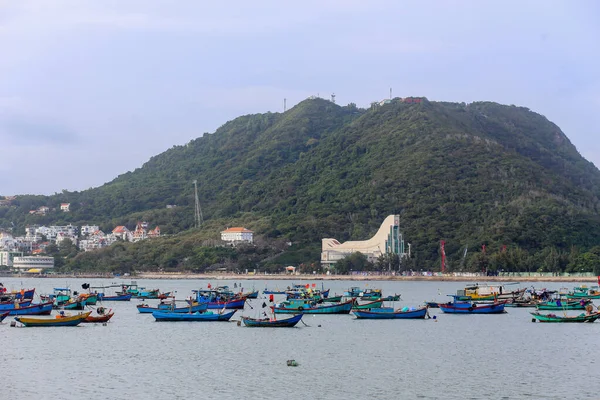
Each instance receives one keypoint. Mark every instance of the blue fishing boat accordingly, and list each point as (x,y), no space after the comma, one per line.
(9,305)
(34,309)
(117,297)
(390,313)
(267,291)
(458,306)
(272,323)
(196,307)
(196,317)
(291,307)
(218,299)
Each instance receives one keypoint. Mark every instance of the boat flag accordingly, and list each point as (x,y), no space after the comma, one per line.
(307,286)
(598,280)
(314,285)
(209,285)
(271,298)
(264,304)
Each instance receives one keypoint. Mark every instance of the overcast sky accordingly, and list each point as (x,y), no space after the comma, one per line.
(92,89)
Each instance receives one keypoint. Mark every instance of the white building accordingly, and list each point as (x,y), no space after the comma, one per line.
(51,232)
(33,262)
(6,257)
(64,207)
(237,234)
(388,239)
(88,229)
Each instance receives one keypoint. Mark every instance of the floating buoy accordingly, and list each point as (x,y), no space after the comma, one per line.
(239,323)
(319,326)
(292,363)
(13,323)
(533,319)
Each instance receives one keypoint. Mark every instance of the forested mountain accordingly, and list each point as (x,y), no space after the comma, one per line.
(471,174)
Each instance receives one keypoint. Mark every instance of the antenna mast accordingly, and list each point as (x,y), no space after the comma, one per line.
(390,93)
(333,98)
(284,105)
(198,219)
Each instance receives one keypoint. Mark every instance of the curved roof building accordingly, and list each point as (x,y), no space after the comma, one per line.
(388,239)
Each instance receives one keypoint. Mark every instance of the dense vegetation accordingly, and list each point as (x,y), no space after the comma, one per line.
(474,174)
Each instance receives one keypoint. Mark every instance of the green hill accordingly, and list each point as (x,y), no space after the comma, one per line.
(474,174)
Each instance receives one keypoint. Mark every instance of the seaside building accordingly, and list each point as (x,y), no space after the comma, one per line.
(387,240)
(7,257)
(237,235)
(33,262)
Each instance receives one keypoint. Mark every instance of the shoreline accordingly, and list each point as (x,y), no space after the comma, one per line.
(308,277)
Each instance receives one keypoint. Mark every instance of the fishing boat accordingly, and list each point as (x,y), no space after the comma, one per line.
(563,305)
(117,297)
(458,306)
(584,292)
(58,321)
(556,318)
(196,317)
(369,305)
(170,307)
(250,295)
(4,315)
(271,322)
(290,307)
(432,304)
(33,309)
(59,296)
(395,297)
(334,299)
(76,304)
(479,292)
(390,313)
(9,305)
(101,317)
(220,298)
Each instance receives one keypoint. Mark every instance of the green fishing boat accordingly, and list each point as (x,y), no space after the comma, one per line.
(563,305)
(556,318)
(369,305)
(334,299)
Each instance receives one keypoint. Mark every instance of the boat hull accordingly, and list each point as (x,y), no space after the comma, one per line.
(11,305)
(557,319)
(182,310)
(265,323)
(459,308)
(121,297)
(369,305)
(35,309)
(419,313)
(99,318)
(342,308)
(4,315)
(47,322)
(203,317)
(574,305)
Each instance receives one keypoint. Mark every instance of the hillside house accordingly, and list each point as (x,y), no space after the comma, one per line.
(64,207)
(122,233)
(237,235)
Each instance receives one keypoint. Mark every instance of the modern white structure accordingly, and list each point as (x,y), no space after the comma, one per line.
(237,234)
(64,207)
(33,262)
(388,239)
(6,257)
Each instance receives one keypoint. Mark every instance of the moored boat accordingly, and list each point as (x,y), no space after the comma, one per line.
(288,307)
(469,307)
(563,305)
(195,307)
(386,313)
(117,297)
(272,323)
(556,318)
(33,309)
(369,305)
(194,317)
(58,321)
(101,317)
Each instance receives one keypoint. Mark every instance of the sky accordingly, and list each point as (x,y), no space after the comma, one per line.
(92,89)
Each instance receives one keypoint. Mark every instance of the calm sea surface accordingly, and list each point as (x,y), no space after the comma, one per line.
(453,357)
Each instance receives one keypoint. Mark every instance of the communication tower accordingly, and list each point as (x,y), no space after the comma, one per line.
(333,98)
